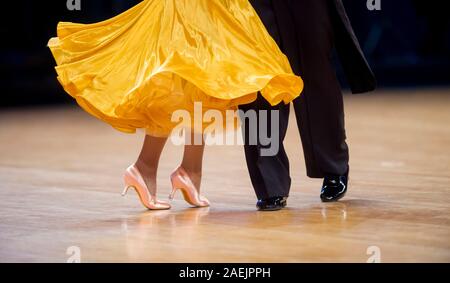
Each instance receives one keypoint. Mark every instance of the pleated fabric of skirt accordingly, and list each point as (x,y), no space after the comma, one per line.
(135,70)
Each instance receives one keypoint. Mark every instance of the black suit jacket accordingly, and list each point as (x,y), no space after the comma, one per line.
(358,72)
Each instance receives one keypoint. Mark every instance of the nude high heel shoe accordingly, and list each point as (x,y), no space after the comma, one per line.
(181,181)
(133,180)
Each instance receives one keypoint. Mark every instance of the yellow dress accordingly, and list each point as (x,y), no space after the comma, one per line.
(134,70)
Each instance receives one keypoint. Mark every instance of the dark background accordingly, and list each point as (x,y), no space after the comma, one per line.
(407,43)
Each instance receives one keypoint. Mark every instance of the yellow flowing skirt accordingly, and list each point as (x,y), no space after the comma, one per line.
(135,70)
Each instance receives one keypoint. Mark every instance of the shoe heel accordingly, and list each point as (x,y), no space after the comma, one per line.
(125,190)
(172,194)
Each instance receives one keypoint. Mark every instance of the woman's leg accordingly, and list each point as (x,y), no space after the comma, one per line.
(148,161)
(193,162)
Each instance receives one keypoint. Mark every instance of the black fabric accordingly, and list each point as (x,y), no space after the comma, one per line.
(269,174)
(307,31)
(292,14)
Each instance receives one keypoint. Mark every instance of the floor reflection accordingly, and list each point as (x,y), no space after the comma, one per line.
(179,231)
(335,212)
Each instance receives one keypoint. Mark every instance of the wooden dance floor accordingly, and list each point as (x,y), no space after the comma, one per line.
(61,179)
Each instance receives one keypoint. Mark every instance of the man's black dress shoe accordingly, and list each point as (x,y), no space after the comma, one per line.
(334,188)
(272,204)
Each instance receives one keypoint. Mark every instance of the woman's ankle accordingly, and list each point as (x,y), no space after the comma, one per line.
(197,172)
(145,169)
